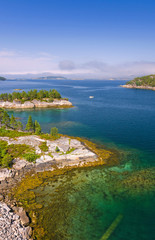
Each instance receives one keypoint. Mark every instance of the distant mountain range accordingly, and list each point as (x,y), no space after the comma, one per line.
(40,76)
(51,78)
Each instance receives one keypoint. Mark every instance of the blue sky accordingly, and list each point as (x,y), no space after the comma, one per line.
(95,38)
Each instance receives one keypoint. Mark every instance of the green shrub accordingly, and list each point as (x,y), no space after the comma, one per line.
(31,157)
(57,149)
(49,137)
(6,161)
(54,132)
(70,150)
(12,133)
(18,150)
(43,147)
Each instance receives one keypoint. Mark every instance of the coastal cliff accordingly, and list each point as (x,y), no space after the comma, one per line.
(35,104)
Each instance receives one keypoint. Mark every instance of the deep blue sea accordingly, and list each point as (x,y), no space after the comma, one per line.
(118,118)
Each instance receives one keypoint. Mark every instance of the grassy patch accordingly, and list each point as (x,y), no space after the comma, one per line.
(12,133)
(70,150)
(43,147)
(5,158)
(18,150)
(31,157)
(49,137)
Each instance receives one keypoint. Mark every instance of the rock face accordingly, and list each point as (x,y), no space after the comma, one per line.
(62,152)
(6,173)
(11,227)
(138,87)
(36,104)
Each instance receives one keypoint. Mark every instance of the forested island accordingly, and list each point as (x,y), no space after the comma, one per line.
(145,82)
(2,78)
(33,99)
(51,78)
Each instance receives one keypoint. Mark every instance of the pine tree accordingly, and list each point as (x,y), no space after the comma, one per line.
(1,115)
(6,119)
(37,127)
(13,122)
(30,125)
(19,125)
(54,132)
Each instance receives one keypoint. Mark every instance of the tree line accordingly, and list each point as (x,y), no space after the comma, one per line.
(32,126)
(31,95)
(143,81)
(12,123)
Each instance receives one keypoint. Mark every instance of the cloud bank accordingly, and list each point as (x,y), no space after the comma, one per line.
(13,62)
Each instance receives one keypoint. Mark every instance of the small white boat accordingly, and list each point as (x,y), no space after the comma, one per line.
(91,96)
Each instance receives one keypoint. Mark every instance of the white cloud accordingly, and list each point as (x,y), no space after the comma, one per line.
(20,62)
(5,53)
(11,61)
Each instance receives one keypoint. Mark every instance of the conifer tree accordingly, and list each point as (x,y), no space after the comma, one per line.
(54,132)
(19,125)
(30,125)
(13,122)
(6,119)
(1,115)
(37,127)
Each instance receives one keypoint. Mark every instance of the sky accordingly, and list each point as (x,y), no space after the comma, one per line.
(81,38)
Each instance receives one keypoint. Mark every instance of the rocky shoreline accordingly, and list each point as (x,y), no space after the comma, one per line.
(16,104)
(72,153)
(14,225)
(138,87)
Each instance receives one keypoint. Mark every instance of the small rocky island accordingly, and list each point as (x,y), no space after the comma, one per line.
(2,78)
(145,82)
(28,152)
(34,99)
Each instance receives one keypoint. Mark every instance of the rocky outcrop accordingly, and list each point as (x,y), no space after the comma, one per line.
(138,87)
(6,173)
(11,226)
(36,104)
(61,152)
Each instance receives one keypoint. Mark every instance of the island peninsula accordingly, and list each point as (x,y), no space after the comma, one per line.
(34,99)
(145,82)
(26,153)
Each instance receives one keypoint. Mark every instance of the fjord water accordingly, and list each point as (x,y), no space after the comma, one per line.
(84,203)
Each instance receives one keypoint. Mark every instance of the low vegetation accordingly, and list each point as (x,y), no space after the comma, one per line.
(143,81)
(31,157)
(12,151)
(70,150)
(43,147)
(9,127)
(31,95)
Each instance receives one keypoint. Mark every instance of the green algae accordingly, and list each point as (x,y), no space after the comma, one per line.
(81,203)
(59,204)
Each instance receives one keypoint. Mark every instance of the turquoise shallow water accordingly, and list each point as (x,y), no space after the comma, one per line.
(87,202)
